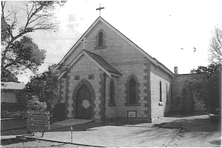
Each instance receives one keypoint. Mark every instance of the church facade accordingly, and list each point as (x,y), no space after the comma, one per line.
(105,75)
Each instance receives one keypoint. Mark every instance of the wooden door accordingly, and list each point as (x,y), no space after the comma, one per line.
(83,103)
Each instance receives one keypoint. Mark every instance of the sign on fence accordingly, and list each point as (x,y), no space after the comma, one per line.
(38,121)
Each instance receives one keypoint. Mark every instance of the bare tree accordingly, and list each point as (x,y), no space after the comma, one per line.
(16,22)
(216,47)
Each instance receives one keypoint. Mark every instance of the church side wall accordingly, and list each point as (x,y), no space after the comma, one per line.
(158,108)
(82,69)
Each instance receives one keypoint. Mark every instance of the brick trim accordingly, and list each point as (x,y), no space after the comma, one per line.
(147,90)
(60,90)
(102,96)
(137,91)
(92,92)
(66,95)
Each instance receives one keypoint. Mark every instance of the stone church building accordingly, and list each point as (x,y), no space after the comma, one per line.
(106,75)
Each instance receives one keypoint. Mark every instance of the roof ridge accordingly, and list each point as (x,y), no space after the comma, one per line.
(149,57)
(138,47)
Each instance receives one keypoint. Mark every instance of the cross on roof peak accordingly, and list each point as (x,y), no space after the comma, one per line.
(100,8)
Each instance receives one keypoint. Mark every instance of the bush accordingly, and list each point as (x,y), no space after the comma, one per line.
(35,104)
(59,112)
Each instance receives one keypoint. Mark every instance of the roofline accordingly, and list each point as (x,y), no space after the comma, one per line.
(155,62)
(142,51)
(69,66)
(85,53)
(73,47)
(107,62)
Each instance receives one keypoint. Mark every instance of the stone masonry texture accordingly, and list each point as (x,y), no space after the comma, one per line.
(153,82)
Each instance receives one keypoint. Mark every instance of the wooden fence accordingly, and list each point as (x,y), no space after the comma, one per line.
(38,121)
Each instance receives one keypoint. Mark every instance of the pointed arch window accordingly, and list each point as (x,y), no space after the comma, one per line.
(132,91)
(112,93)
(100,39)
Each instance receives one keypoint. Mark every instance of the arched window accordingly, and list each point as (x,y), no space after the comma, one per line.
(100,39)
(160,91)
(132,91)
(112,93)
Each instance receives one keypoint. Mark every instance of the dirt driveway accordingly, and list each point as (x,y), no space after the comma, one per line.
(195,131)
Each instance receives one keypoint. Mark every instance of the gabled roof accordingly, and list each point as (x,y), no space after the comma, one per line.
(98,60)
(12,86)
(100,19)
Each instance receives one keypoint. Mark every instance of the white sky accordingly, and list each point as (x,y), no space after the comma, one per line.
(160,27)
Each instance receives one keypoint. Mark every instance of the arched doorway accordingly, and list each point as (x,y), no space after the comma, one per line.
(83,97)
(83,104)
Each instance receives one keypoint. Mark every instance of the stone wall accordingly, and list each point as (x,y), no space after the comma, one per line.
(185,96)
(111,110)
(128,61)
(81,71)
(158,76)
(138,70)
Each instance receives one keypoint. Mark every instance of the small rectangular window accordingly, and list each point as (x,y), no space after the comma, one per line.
(160,91)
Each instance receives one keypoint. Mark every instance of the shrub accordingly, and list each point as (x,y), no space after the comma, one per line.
(35,104)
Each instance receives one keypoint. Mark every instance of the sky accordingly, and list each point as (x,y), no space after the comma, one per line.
(168,30)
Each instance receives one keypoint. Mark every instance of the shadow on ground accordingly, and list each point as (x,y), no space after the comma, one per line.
(15,140)
(196,132)
(194,125)
(181,114)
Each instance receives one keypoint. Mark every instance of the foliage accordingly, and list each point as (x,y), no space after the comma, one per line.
(7,76)
(24,54)
(22,97)
(205,70)
(216,47)
(45,87)
(208,90)
(35,104)
(18,19)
